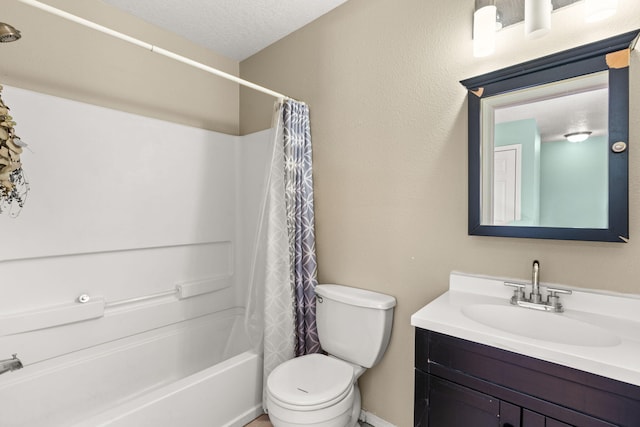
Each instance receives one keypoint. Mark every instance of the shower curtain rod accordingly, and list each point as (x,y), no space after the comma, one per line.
(152,48)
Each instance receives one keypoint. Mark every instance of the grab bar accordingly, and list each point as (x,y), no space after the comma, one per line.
(136,299)
(86,307)
(199,287)
(181,291)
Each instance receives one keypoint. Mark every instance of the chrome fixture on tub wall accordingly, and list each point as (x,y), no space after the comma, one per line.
(9,365)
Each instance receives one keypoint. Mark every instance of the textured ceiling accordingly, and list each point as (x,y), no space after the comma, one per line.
(233,28)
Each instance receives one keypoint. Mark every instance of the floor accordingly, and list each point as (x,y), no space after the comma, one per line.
(263,421)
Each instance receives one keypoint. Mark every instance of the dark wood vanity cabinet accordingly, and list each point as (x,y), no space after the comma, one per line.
(460,383)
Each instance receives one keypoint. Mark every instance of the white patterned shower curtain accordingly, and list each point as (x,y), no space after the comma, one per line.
(280,315)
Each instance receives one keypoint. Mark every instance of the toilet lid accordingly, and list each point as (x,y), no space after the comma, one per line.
(310,380)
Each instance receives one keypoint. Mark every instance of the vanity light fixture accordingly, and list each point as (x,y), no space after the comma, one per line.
(536,15)
(537,18)
(577,136)
(597,10)
(484,29)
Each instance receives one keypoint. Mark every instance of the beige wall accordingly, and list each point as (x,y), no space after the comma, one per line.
(390,159)
(65,59)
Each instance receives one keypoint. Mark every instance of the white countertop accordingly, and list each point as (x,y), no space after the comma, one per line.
(615,314)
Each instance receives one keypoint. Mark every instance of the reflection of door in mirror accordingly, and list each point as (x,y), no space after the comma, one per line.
(561,183)
(506,184)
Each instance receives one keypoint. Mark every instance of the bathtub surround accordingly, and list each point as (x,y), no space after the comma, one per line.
(159,249)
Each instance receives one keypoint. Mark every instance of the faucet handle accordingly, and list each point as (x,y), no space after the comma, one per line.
(553,292)
(553,299)
(518,292)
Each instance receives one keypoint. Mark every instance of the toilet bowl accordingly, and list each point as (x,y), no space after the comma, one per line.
(319,390)
(314,391)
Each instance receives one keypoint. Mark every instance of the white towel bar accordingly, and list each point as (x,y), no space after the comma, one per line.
(86,307)
(199,287)
(140,299)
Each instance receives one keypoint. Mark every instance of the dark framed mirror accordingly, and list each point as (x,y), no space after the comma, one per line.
(548,145)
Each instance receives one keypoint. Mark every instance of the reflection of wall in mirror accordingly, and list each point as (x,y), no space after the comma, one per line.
(574,184)
(524,132)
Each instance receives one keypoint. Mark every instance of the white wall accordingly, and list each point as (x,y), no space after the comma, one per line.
(121,206)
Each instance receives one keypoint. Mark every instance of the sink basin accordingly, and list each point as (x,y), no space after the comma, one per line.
(544,326)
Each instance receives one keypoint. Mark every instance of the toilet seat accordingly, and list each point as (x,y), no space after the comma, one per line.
(310,382)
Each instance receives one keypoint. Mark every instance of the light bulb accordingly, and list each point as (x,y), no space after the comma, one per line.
(537,18)
(484,31)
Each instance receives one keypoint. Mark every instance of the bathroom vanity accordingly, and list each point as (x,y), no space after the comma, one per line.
(480,361)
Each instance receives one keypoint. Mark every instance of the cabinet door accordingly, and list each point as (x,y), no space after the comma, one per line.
(451,405)
(421,396)
(510,415)
(532,419)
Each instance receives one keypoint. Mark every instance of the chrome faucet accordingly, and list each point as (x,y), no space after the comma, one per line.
(535,301)
(12,364)
(535,296)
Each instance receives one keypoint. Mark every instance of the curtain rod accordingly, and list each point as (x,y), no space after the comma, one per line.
(152,48)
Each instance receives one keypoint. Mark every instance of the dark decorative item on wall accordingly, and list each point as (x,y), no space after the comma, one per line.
(548,142)
(13,184)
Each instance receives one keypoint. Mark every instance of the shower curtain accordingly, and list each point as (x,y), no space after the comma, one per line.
(280,316)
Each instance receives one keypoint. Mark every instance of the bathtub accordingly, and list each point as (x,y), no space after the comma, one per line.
(198,372)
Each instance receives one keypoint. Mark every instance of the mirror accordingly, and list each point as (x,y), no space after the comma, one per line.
(533,175)
(548,146)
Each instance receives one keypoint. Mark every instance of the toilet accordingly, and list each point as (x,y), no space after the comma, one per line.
(354,326)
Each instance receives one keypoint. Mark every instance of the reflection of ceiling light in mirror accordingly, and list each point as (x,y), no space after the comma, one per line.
(484,31)
(577,136)
(597,10)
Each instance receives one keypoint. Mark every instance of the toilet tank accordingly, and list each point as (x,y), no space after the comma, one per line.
(354,324)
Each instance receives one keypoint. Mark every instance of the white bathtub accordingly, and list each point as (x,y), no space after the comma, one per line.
(200,372)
